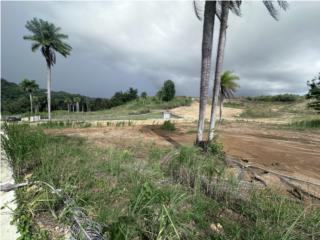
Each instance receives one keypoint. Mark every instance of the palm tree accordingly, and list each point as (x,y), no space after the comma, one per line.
(210,11)
(48,38)
(29,86)
(36,102)
(207,40)
(227,88)
(68,101)
(77,101)
(225,6)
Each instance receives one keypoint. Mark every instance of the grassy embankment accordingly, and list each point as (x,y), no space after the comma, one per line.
(139,109)
(137,193)
(292,112)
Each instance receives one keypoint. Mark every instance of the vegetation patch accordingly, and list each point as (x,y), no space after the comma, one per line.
(260,112)
(276,98)
(168,125)
(305,124)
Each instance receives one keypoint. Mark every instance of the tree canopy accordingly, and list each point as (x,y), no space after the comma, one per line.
(314,93)
(167,92)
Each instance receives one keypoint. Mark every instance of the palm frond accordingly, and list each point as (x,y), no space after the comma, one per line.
(197,10)
(35,46)
(228,85)
(235,7)
(283,4)
(271,8)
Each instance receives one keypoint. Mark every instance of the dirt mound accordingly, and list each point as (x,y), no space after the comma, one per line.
(192,111)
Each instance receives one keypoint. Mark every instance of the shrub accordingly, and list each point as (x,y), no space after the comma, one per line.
(303,124)
(276,98)
(169,126)
(215,147)
(259,113)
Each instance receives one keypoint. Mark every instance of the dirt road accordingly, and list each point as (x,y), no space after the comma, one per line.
(293,152)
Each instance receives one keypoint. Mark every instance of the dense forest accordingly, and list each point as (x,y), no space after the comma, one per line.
(14,100)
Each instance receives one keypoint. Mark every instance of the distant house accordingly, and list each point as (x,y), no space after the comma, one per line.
(166,115)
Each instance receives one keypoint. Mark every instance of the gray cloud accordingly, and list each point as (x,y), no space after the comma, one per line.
(121,44)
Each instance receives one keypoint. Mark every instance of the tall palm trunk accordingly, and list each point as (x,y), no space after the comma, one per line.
(49,92)
(207,39)
(68,107)
(219,63)
(31,106)
(77,107)
(221,107)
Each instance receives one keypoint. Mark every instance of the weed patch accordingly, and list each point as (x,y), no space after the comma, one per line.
(305,124)
(168,125)
(260,112)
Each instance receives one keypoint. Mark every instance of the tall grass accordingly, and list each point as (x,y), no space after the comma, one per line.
(305,124)
(260,112)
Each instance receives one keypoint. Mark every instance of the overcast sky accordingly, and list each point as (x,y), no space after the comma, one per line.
(121,44)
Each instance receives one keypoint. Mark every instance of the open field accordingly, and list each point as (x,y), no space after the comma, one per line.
(135,180)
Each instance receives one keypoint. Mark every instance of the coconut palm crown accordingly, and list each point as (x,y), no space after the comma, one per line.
(29,86)
(47,36)
(228,84)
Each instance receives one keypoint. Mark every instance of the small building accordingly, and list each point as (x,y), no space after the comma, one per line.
(166,115)
(35,118)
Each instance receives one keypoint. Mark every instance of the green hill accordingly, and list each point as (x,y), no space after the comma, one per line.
(14,100)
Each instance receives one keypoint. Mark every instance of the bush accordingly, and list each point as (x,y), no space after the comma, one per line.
(276,98)
(215,148)
(259,113)
(310,123)
(169,126)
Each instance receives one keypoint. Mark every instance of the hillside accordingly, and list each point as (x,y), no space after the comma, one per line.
(14,100)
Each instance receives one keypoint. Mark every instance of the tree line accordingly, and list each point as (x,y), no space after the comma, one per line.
(28,97)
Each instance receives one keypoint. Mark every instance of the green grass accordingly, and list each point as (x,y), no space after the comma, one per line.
(140,109)
(260,112)
(135,193)
(305,124)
